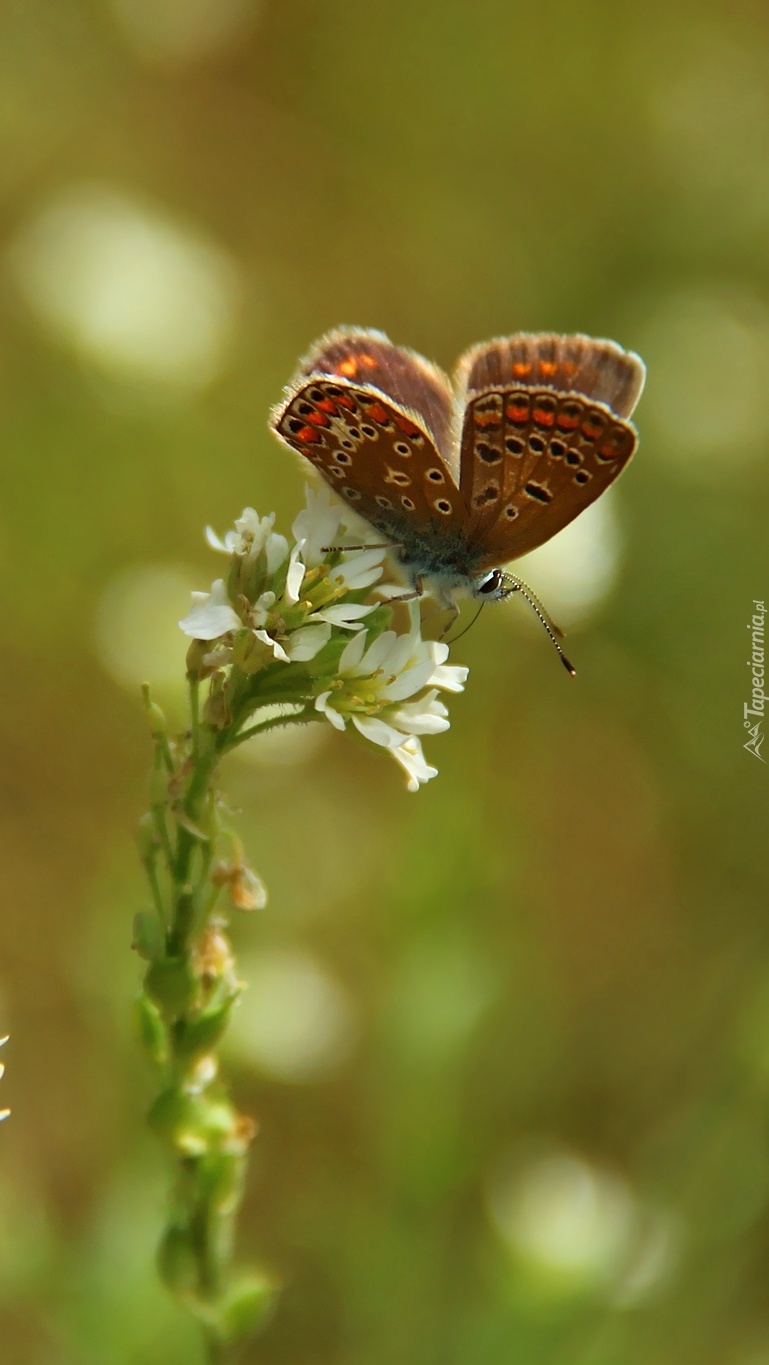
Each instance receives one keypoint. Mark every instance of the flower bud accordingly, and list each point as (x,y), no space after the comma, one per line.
(245,1307)
(192,1125)
(171,984)
(148,938)
(196,654)
(201,1033)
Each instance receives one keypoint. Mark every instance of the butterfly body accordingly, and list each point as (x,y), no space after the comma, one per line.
(463,478)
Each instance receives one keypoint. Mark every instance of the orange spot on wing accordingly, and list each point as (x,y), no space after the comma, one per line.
(377,413)
(521,368)
(349,367)
(328,405)
(308,436)
(568,421)
(592,429)
(518,410)
(407,427)
(547,368)
(345,401)
(318,419)
(543,417)
(368,361)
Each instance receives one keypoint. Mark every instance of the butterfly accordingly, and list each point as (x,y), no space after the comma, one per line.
(461,478)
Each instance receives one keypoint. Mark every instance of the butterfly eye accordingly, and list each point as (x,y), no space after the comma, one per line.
(491,584)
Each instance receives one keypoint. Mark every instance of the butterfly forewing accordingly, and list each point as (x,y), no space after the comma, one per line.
(381,462)
(368,358)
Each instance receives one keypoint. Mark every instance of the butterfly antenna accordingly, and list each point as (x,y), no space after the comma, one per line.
(554,631)
(467,627)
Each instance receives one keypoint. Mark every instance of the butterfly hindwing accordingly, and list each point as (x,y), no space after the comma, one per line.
(558,454)
(543,435)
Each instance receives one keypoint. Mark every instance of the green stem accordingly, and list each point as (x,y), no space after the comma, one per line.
(298,718)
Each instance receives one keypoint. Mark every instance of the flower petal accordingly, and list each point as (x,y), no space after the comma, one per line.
(321,704)
(426,717)
(211,614)
(409,682)
(352,654)
(277,650)
(378,731)
(451,677)
(412,760)
(307,641)
(344,613)
(295,575)
(378,654)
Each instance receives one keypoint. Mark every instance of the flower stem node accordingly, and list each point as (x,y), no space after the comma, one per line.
(192,1125)
(172,985)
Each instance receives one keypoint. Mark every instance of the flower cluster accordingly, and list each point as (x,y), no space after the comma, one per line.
(294,626)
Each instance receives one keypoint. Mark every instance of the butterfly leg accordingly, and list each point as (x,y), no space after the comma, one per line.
(452,607)
(340,549)
(417,591)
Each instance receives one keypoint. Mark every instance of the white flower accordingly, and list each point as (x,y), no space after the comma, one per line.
(252,534)
(320,525)
(374,686)
(211,614)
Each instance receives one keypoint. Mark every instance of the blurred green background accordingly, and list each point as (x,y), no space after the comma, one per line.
(507,1039)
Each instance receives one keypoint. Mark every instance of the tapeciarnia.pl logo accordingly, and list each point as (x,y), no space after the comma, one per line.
(753,711)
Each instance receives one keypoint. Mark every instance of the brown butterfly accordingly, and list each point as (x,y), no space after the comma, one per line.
(462,478)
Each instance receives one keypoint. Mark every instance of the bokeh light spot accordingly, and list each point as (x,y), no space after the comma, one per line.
(182,31)
(708,353)
(136,293)
(135,633)
(294,1021)
(564,1218)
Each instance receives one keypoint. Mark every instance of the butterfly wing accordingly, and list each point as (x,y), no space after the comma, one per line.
(373,419)
(544,433)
